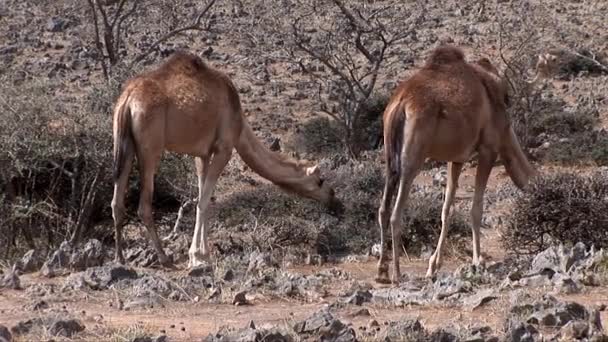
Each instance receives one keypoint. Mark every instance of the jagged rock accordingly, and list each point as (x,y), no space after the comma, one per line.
(240,298)
(564,284)
(56,24)
(142,339)
(258,261)
(151,285)
(406,294)
(58,261)
(479,298)
(440,178)
(141,257)
(559,259)
(66,328)
(575,330)
(449,286)
(30,262)
(101,277)
(276,144)
(408,330)
(228,275)
(91,255)
(518,331)
(249,334)
(201,270)
(359,297)
(142,303)
(5,334)
(23,327)
(324,327)
(40,305)
(11,279)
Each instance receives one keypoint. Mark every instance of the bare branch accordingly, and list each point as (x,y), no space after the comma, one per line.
(196,25)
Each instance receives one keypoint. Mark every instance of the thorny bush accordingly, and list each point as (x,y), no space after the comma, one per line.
(559,208)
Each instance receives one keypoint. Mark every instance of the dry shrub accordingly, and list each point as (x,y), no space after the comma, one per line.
(266,218)
(559,208)
(55,164)
(322,136)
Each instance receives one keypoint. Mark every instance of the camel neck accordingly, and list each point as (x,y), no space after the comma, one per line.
(266,163)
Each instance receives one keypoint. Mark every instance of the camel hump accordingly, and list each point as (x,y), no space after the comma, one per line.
(444,55)
(185,59)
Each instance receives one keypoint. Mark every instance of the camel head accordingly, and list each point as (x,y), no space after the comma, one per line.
(516,164)
(314,186)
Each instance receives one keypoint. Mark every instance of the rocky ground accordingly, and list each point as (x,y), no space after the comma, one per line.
(305,276)
(78,294)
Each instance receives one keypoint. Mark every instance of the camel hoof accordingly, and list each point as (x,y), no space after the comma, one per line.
(382,280)
(198,259)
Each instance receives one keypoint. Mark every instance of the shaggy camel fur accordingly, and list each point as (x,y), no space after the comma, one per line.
(448,110)
(187,107)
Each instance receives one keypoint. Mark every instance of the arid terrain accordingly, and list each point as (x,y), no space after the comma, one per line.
(282,267)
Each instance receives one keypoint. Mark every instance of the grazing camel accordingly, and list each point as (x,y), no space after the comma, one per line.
(448,110)
(187,107)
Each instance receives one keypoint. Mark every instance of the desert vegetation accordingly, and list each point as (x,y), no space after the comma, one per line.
(313,77)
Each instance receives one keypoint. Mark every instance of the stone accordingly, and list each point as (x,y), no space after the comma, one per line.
(240,298)
(142,339)
(30,262)
(40,305)
(90,255)
(575,330)
(325,327)
(228,275)
(521,332)
(101,277)
(440,178)
(66,328)
(56,24)
(448,286)
(400,330)
(5,334)
(361,313)
(479,298)
(24,327)
(59,260)
(258,261)
(201,270)
(11,279)
(276,144)
(161,338)
(564,284)
(359,297)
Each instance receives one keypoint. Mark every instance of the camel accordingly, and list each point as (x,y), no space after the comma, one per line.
(448,110)
(188,107)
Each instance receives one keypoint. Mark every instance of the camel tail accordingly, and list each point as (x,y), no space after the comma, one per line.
(123,136)
(394,121)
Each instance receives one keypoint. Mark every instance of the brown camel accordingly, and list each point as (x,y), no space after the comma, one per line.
(448,110)
(187,107)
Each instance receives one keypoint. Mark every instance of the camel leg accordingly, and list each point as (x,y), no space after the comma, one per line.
(454,170)
(148,161)
(412,157)
(383,217)
(202,167)
(118,203)
(484,168)
(211,174)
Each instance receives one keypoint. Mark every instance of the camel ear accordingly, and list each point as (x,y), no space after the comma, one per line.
(313,170)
